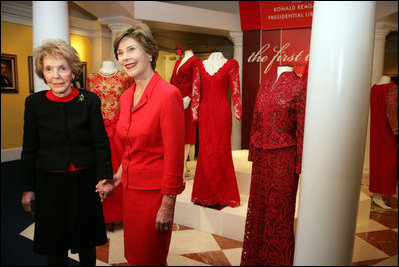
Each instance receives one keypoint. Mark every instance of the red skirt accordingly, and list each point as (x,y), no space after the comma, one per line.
(269,229)
(144,246)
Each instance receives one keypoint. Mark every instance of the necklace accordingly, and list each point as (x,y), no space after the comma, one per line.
(106,75)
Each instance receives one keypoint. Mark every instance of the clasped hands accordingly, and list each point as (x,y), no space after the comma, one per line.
(106,187)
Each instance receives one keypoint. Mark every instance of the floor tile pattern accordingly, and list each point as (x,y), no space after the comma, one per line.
(376,244)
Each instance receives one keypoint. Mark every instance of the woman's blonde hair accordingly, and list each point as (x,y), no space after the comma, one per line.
(142,34)
(57,47)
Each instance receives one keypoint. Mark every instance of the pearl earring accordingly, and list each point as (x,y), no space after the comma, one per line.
(150,58)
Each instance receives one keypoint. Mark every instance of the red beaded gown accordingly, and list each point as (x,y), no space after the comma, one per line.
(214,180)
(109,88)
(182,78)
(383,138)
(275,148)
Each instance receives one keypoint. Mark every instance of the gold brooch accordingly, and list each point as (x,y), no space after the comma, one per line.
(81,97)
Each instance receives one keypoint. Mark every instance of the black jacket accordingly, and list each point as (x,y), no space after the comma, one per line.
(57,133)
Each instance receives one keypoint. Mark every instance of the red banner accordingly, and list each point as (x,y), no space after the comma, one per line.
(263,52)
(267,15)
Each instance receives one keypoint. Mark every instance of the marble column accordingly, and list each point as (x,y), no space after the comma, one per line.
(116,23)
(337,105)
(50,20)
(236,37)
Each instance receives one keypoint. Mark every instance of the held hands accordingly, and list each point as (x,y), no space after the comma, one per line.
(28,202)
(105,188)
(163,222)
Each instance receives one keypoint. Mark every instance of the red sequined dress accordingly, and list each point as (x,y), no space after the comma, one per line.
(109,88)
(383,138)
(275,148)
(215,180)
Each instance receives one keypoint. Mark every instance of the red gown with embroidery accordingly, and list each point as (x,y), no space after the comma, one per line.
(109,88)
(215,180)
(275,148)
(183,79)
(383,138)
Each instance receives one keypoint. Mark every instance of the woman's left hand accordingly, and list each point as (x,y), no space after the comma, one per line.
(164,218)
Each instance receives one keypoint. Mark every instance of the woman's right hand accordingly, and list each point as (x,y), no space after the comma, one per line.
(27,202)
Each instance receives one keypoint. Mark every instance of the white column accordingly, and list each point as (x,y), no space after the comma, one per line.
(381,31)
(337,105)
(101,47)
(50,21)
(236,37)
(116,23)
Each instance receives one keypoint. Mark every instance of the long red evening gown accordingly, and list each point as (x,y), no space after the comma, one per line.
(215,180)
(182,78)
(383,141)
(275,148)
(109,88)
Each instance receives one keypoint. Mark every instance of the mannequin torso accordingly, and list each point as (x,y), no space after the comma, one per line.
(108,69)
(384,80)
(281,69)
(187,55)
(215,61)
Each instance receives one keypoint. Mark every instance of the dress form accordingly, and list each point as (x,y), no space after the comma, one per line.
(284,68)
(186,101)
(214,62)
(377,198)
(187,55)
(108,68)
(384,80)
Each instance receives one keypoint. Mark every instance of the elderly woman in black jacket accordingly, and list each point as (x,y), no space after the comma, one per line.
(65,153)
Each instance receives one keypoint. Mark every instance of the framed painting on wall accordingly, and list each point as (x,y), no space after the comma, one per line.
(9,75)
(30,68)
(80,81)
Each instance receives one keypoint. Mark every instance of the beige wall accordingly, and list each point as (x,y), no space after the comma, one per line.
(17,40)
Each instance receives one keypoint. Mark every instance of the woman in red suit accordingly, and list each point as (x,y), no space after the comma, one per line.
(151,127)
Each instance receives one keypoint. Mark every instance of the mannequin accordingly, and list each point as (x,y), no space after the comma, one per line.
(377,180)
(275,148)
(214,62)
(108,68)
(182,79)
(283,68)
(109,83)
(215,183)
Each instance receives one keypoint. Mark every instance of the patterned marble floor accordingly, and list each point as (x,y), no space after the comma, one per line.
(376,244)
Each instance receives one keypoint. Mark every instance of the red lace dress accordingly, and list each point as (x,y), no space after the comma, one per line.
(215,180)
(275,148)
(109,88)
(383,138)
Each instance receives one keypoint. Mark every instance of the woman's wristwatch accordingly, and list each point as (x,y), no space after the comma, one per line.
(171,196)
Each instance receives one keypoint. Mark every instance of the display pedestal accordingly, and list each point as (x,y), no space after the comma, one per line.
(230,222)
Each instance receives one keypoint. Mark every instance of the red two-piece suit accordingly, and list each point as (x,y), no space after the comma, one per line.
(153,137)
(275,149)
(182,78)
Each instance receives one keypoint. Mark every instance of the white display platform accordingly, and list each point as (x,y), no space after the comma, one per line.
(230,222)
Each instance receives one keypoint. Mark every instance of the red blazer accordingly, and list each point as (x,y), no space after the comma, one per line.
(279,115)
(153,138)
(183,79)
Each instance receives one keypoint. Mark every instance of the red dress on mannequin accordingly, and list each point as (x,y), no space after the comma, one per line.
(215,180)
(183,79)
(383,141)
(109,88)
(275,148)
